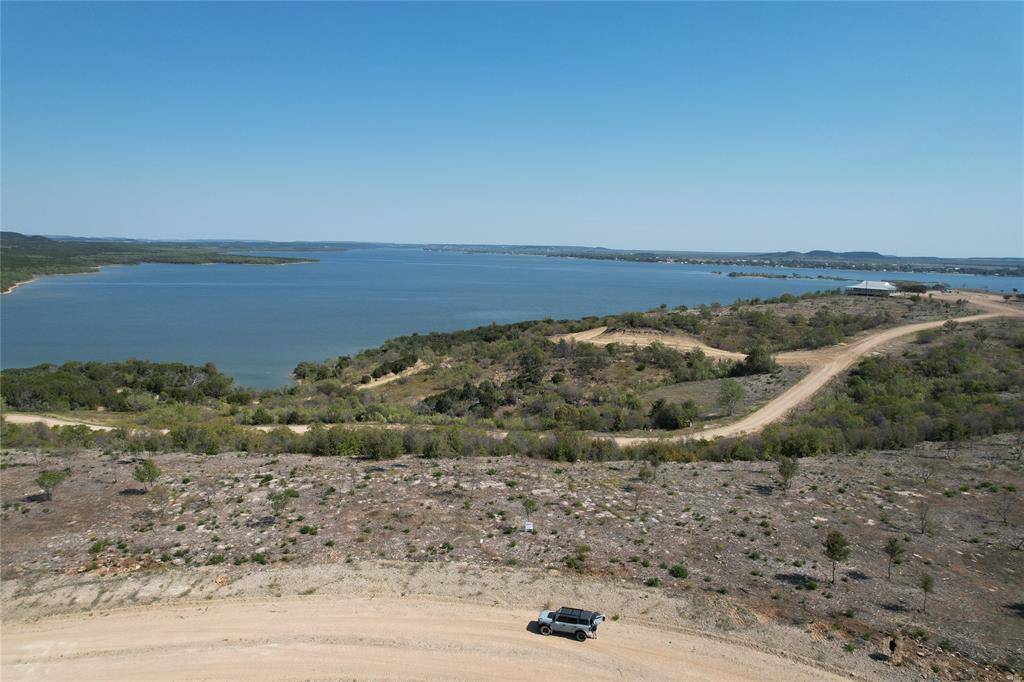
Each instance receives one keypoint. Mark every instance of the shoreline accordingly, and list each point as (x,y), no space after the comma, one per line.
(99,268)
(18,284)
(36,278)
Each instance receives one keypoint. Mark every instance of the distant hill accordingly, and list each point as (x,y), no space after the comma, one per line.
(829,255)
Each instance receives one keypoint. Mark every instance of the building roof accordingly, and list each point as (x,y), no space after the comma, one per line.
(873,286)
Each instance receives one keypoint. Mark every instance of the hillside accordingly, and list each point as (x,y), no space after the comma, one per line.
(654,384)
(721,547)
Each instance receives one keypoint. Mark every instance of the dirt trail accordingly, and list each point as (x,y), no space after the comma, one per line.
(825,364)
(600,336)
(388,378)
(326,637)
(28,418)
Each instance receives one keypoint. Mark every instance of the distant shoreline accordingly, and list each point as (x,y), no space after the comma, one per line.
(891,265)
(99,268)
(27,257)
(772,275)
(18,284)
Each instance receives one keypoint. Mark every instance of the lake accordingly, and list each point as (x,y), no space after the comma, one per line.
(257,322)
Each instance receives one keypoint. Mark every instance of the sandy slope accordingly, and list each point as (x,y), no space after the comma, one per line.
(422,638)
(388,378)
(600,336)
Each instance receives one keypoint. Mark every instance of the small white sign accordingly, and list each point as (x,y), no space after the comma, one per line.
(528,526)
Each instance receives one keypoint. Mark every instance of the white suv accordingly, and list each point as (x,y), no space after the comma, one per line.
(576,622)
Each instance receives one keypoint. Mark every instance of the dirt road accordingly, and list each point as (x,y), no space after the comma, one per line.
(826,364)
(324,637)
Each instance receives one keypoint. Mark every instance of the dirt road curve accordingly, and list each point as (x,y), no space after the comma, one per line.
(305,638)
(828,363)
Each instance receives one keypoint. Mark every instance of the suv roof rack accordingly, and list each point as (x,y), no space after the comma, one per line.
(578,613)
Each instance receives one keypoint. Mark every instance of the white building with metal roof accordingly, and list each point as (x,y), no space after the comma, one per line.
(872,288)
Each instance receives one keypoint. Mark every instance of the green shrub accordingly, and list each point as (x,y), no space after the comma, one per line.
(679,571)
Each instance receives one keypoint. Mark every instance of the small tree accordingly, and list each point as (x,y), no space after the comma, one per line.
(758,361)
(836,549)
(280,499)
(927,472)
(927,585)
(1006,503)
(787,471)
(894,550)
(261,416)
(672,416)
(924,511)
(730,395)
(146,473)
(48,480)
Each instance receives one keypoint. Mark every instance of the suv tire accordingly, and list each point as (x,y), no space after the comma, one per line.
(581,636)
(545,629)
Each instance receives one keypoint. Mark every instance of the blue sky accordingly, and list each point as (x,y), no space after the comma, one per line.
(877,126)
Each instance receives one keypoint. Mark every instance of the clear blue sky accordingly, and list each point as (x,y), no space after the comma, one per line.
(888,127)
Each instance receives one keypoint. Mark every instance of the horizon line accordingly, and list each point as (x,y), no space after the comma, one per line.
(513,245)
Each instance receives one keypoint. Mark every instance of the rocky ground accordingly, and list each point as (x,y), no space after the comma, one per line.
(721,535)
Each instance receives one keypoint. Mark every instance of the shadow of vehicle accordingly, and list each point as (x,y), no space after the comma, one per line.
(801,581)
(131,491)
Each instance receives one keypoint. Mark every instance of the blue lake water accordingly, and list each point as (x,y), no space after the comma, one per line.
(257,322)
